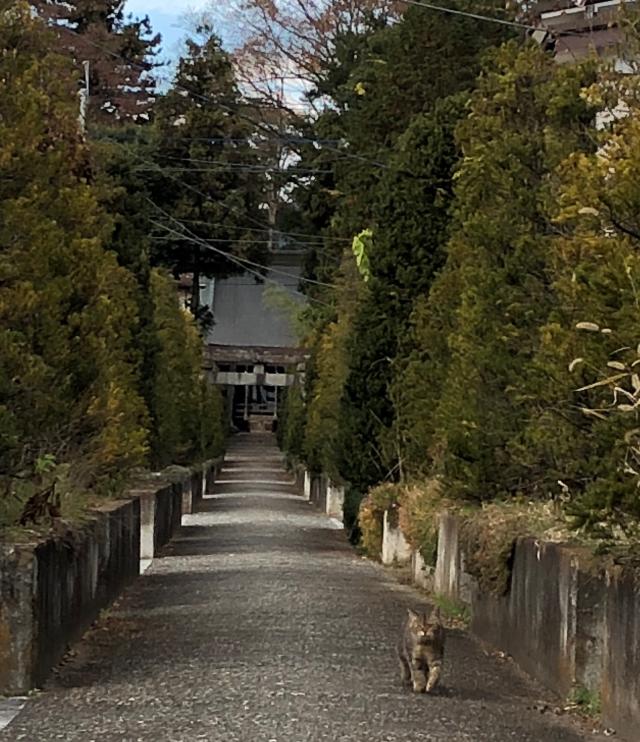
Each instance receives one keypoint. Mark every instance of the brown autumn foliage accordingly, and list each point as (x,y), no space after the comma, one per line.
(292,41)
(119,50)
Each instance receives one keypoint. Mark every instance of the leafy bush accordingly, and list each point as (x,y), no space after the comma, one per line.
(323,433)
(420,505)
(77,358)
(291,420)
(525,116)
(372,509)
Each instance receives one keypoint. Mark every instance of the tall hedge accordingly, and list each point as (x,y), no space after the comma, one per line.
(68,366)
(525,116)
(100,369)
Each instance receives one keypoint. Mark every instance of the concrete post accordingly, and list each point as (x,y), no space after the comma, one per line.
(395,549)
(147,524)
(335,501)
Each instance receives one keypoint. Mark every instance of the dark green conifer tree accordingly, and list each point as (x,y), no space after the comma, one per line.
(68,364)
(206,179)
(525,116)
(119,52)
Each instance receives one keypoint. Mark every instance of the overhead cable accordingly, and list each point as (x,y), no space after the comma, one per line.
(252,263)
(190,237)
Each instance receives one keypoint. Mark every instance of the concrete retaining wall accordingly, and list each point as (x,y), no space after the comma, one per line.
(620,651)
(51,592)
(450,578)
(421,572)
(567,619)
(395,549)
(168,514)
(319,490)
(335,500)
(302,479)
(536,621)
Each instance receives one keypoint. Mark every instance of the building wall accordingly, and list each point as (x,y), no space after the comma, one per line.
(245,315)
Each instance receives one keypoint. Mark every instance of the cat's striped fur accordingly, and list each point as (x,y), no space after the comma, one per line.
(421,650)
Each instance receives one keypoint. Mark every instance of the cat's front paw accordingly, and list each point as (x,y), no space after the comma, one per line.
(434,678)
(419,687)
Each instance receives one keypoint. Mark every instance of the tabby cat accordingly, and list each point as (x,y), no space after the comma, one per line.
(421,650)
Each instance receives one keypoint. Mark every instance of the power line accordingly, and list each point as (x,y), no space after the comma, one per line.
(238,167)
(319,239)
(235,257)
(262,228)
(206,197)
(191,188)
(246,242)
(556,34)
(205,99)
(289,139)
(475,16)
(229,257)
(190,237)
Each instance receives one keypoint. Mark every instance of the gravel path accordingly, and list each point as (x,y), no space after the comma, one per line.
(260,624)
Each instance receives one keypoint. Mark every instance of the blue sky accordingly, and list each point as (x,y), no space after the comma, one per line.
(167,17)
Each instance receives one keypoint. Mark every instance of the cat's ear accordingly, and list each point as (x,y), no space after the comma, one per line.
(435,615)
(413,616)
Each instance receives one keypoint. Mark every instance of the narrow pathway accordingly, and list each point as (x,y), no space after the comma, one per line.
(260,624)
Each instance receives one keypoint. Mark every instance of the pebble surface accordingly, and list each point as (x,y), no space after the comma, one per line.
(259,623)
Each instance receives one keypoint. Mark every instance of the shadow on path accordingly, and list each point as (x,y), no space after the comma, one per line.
(259,623)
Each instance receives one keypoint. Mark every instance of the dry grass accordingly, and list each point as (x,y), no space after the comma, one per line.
(420,506)
(489,535)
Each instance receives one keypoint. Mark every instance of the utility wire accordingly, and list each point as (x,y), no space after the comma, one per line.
(190,237)
(245,261)
(317,239)
(205,99)
(475,16)
(191,188)
(206,197)
(261,228)
(235,257)
(236,167)
(244,242)
(231,258)
(292,139)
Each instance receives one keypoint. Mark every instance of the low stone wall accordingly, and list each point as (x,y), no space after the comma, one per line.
(320,491)
(168,514)
(210,473)
(302,479)
(306,484)
(51,592)
(620,651)
(449,576)
(421,572)
(536,621)
(161,511)
(567,619)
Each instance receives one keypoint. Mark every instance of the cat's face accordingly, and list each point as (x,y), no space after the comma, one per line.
(425,627)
